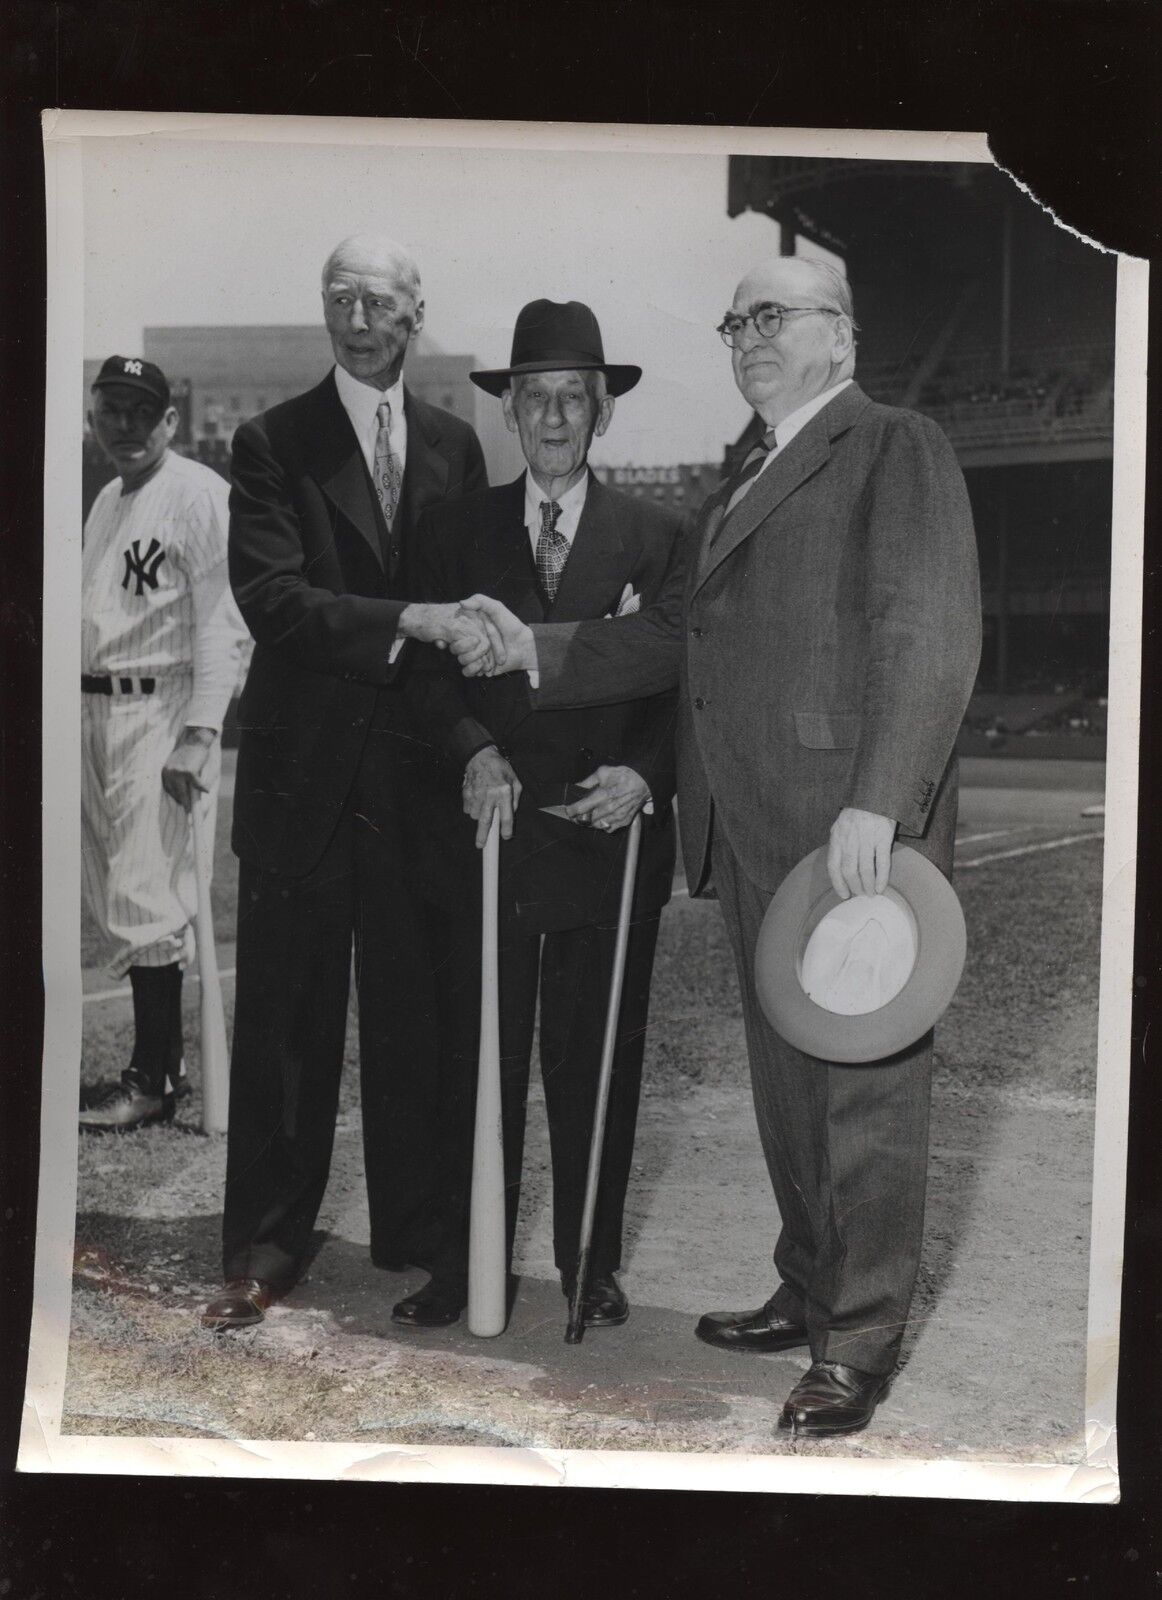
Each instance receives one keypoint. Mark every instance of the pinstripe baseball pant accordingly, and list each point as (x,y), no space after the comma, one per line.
(136,852)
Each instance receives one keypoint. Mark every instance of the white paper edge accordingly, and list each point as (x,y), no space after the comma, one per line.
(42,1447)
(1120,864)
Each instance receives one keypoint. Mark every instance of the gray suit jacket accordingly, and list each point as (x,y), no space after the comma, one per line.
(827,639)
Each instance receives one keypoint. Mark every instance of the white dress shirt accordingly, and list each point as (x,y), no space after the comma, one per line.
(361,403)
(572,504)
(786,430)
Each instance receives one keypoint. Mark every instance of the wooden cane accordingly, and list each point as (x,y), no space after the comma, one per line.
(576,1327)
(486,1236)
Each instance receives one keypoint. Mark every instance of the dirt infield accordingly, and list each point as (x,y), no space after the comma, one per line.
(993,1365)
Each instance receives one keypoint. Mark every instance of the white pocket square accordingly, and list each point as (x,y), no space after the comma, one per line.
(627,605)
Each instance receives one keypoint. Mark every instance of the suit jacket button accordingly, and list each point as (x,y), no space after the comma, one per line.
(697,633)
(700,704)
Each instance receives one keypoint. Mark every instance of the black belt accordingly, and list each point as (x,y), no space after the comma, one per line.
(98,685)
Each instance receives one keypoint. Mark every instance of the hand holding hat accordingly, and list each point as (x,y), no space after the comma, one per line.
(858,978)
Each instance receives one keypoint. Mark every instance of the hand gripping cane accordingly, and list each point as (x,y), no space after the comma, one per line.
(576,1328)
(486,1236)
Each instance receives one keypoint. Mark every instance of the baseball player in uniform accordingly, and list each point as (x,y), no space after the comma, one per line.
(162,646)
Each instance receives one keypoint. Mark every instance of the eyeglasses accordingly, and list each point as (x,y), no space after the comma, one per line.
(768,320)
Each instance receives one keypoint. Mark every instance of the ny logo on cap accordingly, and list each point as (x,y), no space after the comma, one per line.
(134,367)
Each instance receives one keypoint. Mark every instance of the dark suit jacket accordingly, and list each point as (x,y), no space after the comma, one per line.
(827,642)
(557,874)
(321,587)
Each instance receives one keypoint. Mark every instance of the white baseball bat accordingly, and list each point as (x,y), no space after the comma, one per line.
(487,1290)
(215,1058)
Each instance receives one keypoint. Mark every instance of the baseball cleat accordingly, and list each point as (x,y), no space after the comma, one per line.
(124,1106)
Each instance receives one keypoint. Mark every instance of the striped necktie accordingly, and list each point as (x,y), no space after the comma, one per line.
(387,469)
(750,469)
(552,549)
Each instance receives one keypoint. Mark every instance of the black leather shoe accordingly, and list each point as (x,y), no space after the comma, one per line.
(605,1304)
(241,1304)
(830,1398)
(761,1331)
(95,1096)
(122,1107)
(436,1305)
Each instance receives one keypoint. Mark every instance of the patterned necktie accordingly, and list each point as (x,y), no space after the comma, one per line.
(387,470)
(552,549)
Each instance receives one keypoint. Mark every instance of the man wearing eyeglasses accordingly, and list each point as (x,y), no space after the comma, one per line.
(827,641)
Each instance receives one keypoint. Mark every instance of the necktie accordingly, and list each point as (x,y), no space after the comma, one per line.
(750,469)
(387,469)
(552,549)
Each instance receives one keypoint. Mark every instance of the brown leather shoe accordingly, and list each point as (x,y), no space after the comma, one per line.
(241,1304)
(830,1398)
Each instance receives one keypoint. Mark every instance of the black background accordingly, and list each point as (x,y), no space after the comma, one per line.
(1068,92)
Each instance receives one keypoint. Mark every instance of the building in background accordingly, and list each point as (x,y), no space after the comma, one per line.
(221,376)
(682,488)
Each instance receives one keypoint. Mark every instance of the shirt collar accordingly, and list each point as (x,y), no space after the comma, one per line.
(570,502)
(786,430)
(361,401)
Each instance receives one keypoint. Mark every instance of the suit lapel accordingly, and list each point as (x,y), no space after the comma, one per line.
(502,565)
(425,477)
(337,464)
(798,461)
(597,562)
(509,570)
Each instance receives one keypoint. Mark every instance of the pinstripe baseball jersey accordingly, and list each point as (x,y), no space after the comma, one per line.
(156,594)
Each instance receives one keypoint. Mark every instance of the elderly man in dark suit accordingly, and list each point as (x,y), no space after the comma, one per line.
(827,637)
(554,545)
(327,491)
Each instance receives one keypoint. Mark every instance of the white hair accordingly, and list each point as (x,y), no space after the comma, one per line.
(831,285)
(379,253)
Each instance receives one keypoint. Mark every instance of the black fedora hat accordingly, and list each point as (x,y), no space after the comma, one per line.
(549,337)
(859,980)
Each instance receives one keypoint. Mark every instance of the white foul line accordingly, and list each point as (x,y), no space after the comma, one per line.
(1029,849)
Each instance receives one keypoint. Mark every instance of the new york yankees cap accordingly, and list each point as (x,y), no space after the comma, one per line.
(136,373)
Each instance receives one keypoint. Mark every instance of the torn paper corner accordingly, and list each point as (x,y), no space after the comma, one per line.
(1048,210)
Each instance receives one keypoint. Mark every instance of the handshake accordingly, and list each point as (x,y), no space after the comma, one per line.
(483,635)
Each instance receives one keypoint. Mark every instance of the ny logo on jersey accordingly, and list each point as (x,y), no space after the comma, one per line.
(142,567)
(134,367)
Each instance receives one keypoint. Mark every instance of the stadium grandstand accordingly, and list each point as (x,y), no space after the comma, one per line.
(977,309)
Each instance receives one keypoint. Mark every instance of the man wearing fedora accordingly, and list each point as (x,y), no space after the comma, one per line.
(556,546)
(827,641)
